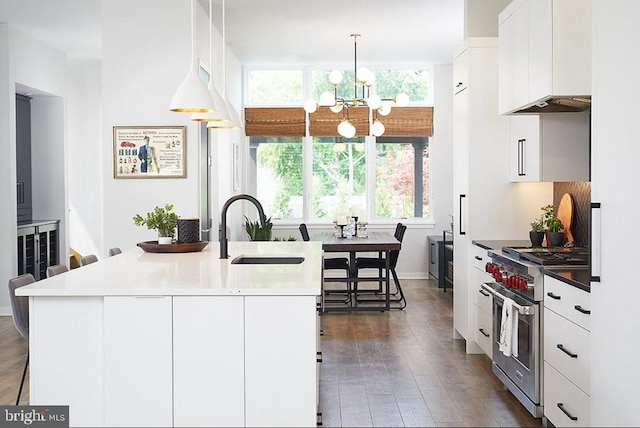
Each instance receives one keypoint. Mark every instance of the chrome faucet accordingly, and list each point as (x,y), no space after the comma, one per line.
(224,250)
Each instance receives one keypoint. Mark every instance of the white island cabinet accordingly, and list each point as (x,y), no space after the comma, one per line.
(187,339)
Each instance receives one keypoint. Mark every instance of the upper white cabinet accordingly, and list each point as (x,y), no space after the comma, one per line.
(550,147)
(544,56)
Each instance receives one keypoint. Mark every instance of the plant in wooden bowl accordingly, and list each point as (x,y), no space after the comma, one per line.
(161,219)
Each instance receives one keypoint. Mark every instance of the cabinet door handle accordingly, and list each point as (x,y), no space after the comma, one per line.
(484,293)
(596,241)
(432,254)
(582,310)
(459,84)
(569,353)
(318,357)
(481,330)
(553,296)
(478,258)
(569,415)
(462,232)
(521,169)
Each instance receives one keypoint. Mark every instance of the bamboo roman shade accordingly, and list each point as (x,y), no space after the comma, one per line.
(290,122)
(324,122)
(275,121)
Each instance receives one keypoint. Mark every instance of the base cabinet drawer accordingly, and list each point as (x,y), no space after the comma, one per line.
(567,348)
(565,405)
(570,302)
(482,333)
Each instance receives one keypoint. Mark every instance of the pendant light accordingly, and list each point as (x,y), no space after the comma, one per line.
(221,114)
(234,121)
(192,95)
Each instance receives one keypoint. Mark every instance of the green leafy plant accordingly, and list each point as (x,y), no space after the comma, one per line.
(163,220)
(537,225)
(282,239)
(552,222)
(257,231)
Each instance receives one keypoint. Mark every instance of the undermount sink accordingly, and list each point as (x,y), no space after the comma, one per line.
(259,259)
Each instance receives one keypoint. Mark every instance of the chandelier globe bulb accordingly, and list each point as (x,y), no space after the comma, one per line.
(402,99)
(377,128)
(385,109)
(374,102)
(310,106)
(335,77)
(327,99)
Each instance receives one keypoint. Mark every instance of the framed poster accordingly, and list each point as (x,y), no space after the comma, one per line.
(149,152)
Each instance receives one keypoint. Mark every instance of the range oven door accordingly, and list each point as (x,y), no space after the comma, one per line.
(523,371)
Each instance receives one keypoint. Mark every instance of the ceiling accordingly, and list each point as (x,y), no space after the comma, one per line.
(277,32)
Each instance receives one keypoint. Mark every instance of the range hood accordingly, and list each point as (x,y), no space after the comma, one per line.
(559,105)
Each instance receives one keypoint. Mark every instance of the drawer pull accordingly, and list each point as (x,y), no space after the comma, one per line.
(561,407)
(553,296)
(481,330)
(478,258)
(582,310)
(563,349)
(484,293)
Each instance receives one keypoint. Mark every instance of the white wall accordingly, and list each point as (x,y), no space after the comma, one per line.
(146,51)
(27,64)
(84,156)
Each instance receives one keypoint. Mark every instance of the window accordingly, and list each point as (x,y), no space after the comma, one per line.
(338,177)
(274,87)
(314,178)
(278,175)
(402,178)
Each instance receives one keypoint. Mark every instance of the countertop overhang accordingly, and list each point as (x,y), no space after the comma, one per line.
(138,273)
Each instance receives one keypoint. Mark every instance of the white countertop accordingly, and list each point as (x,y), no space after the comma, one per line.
(138,273)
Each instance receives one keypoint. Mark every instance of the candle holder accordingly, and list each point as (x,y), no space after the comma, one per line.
(341,231)
(355,225)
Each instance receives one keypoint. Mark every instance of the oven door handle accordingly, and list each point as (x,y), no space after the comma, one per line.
(522,309)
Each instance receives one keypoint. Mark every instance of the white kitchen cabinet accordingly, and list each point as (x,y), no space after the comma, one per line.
(280,361)
(615,153)
(482,329)
(567,353)
(545,52)
(208,354)
(487,205)
(138,365)
(550,147)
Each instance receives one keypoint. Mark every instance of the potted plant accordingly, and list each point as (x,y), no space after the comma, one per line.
(257,231)
(163,220)
(536,234)
(554,225)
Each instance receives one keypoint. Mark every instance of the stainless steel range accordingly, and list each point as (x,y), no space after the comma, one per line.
(517,276)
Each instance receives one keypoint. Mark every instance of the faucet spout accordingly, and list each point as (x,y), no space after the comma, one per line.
(224,242)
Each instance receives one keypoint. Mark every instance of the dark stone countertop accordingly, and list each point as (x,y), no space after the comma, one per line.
(579,276)
(499,243)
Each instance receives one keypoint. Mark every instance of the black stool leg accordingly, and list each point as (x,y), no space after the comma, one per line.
(24,374)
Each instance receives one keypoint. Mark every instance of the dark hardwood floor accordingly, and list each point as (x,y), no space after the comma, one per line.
(403,368)
(400,368)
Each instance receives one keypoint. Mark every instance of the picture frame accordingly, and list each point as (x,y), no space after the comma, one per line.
(149,152)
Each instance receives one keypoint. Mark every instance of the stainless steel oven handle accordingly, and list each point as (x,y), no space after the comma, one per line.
(522,309)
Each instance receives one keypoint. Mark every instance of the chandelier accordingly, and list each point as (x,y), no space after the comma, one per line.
(362,97)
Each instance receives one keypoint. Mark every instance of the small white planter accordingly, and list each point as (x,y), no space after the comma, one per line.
(165,240)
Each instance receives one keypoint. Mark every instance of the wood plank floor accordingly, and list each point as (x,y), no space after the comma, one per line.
(400,368)
(403,368)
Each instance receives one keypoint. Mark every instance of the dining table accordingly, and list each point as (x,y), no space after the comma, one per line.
(382,243)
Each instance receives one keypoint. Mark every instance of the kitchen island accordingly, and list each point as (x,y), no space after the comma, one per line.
(180,339)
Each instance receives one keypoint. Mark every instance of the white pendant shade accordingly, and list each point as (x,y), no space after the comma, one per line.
(346,129)
(192,95)
(221,113)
